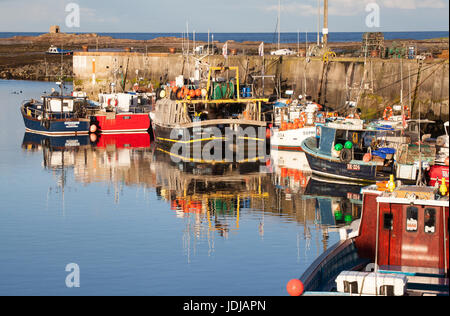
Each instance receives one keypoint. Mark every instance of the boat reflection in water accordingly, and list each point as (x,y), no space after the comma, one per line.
(337,203)
(209,199)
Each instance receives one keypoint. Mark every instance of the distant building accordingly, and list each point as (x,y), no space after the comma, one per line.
(54,29)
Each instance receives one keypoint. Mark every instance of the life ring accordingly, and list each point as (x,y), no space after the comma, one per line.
(303,118)
(355,138)
(345,155)
(407,110)
(387,113)
(114,103)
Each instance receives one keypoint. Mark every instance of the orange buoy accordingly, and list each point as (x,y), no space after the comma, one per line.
(93,128)
(367,157)
(192,93)
(290,126)
(284,126)
(295,287)
(198,92)
(180,95)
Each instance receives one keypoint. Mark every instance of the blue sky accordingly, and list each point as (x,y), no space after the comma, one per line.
(220,16)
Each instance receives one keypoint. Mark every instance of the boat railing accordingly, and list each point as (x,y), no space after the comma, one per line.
(40,114)
(34,113)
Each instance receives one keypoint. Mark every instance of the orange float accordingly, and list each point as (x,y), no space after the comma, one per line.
(387,114)
(295,287)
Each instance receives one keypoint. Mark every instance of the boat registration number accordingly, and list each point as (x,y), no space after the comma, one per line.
(353,196)
(353,167)
(72,124)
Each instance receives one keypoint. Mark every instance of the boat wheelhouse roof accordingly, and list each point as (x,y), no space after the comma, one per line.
(388,197)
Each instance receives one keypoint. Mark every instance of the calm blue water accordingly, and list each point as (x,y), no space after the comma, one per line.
(119,209)
(265,37)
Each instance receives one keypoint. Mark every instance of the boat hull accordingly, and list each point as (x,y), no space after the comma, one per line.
(123,122)
(290,139)
(354,170)
(58,127)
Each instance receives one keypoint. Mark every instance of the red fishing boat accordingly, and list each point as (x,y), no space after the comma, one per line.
(399,247)
(122,112)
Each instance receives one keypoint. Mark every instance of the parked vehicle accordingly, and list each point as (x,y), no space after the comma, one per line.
(282,52)
(203,49)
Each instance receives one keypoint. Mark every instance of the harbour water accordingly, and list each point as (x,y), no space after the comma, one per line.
(136,223)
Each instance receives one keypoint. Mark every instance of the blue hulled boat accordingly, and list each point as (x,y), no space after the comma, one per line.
(347,163)
(56,115)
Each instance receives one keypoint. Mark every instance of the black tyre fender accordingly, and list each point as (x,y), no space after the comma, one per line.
(345,155)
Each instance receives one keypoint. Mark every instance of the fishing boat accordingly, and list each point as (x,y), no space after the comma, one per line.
(122,113)
(340,151)
(53,50)
(214,115)
(56,115)
(294,121)
(399,247)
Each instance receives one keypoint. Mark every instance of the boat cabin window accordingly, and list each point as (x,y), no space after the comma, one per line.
(388,221)
(412,216)
(55,105)
(430,221)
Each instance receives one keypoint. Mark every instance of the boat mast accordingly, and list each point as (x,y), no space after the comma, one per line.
(318,23)
(279,23)
(325,23)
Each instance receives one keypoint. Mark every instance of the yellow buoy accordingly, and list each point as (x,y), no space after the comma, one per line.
(443,189)
(391,184)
